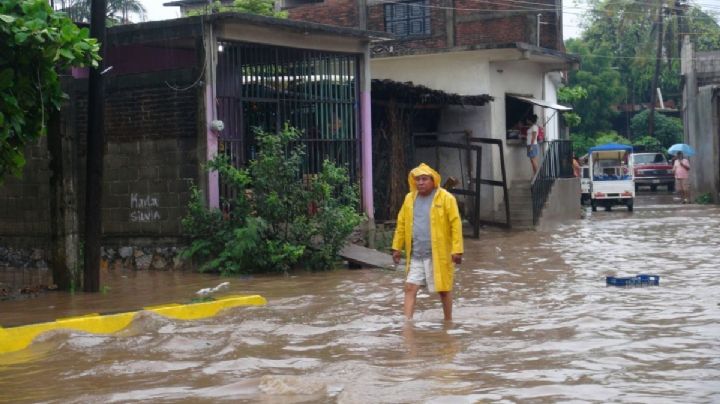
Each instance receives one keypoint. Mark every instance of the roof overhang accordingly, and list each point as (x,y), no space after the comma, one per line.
(306,35)
(248,28)
(495,52)
(412,94)
(541,103)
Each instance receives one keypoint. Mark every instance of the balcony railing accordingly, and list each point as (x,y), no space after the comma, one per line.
(556,163)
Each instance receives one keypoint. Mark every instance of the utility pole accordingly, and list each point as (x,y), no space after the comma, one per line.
(95,151)
(656,75)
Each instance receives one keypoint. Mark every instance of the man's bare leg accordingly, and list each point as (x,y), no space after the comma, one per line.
(446,298)
(411,290)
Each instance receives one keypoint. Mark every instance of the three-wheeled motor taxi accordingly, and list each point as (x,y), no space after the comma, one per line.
(611,176)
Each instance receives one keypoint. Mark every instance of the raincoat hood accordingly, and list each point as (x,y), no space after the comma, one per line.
(423,169)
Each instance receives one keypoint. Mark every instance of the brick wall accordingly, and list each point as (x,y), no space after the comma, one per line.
(151,157)
(496,30)
(436,40)
(342,13)
(24,206)
(474,22)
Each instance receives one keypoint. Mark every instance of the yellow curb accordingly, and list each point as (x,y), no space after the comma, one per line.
(18,338)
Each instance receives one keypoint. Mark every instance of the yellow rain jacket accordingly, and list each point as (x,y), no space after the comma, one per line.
(445,229)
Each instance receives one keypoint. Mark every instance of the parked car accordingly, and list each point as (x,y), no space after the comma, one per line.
(653,169)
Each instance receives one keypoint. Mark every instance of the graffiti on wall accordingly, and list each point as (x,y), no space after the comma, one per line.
(144,208)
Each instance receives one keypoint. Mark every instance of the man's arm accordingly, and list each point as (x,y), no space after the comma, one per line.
(398,242)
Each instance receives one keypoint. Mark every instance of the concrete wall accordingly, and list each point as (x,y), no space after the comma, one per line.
(705,175)
(24,202)
(563,204)
(150,160)
(517,78)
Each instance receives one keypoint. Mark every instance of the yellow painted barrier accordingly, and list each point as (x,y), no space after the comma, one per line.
(18,338)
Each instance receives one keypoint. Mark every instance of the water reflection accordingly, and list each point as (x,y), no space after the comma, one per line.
(534,322)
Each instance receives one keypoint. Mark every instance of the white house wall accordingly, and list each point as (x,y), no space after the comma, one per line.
(516,78)
(471,73)
(459,73)
(455,119)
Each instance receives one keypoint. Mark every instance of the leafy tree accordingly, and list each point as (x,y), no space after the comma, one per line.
(581,143)
(571,95)
(34,42)
(648,143)
(601,83)
(259,7)
(118,11)
(636,32)
(610,137)
(276,221)
(668,130)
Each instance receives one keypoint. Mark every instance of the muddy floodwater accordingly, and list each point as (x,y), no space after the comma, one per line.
(534,322)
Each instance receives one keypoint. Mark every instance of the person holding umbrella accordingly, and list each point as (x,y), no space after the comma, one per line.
(681,169)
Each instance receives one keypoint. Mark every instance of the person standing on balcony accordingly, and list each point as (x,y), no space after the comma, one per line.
(533,150)
(681,169)
(429,230)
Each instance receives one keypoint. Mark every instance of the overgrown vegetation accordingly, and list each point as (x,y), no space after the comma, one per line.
(259,7)
(704,199)
(35,41)
(619,49)
(277,220)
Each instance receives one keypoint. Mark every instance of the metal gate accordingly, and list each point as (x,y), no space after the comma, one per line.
(267,87)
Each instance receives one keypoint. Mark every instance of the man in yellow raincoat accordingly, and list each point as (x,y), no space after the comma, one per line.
(430,231)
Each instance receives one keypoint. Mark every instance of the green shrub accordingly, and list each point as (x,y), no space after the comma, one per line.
(278,219)
(704,199)
(649,144)
(668,130)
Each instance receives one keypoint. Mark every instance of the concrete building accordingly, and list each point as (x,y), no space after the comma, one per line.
(701,114)
(170,82)
(513,54)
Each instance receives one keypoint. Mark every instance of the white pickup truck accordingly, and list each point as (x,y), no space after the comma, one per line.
(611,176)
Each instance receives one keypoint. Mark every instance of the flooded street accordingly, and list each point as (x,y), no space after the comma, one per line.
(534,322)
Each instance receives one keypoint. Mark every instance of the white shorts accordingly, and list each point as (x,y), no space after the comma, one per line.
(421,273)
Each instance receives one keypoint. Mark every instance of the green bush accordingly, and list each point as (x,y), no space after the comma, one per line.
(668,130)
(278,219)
(704,199)
(649,144)
(611,136)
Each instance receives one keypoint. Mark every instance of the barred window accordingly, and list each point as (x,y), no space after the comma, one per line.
(408,19)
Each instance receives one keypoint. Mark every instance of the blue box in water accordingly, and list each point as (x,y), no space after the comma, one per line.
(639,280)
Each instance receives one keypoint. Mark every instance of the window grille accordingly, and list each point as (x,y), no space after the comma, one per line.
(408,19)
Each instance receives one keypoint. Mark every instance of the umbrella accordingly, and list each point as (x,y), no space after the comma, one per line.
(686,150)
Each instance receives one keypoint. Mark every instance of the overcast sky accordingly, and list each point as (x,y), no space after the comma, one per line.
(156,11)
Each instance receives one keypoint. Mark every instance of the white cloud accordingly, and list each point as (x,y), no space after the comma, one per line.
(156,10)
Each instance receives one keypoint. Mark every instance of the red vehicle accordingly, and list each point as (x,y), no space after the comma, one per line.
(653,169)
